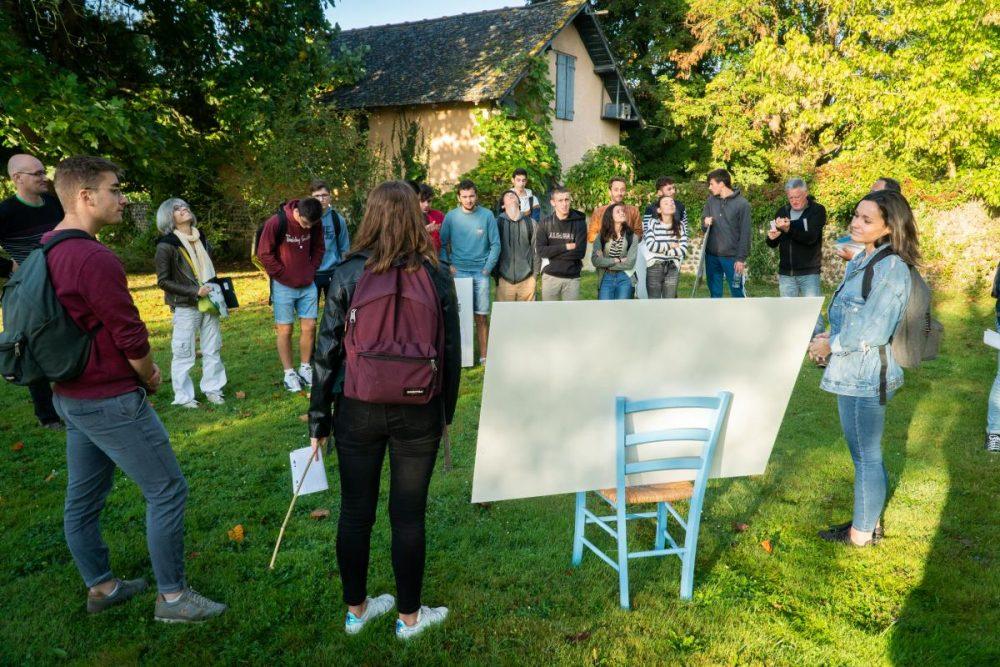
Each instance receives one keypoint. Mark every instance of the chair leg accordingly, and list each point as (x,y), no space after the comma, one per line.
(690,548)
(581,503)
(661,526)
(622,556)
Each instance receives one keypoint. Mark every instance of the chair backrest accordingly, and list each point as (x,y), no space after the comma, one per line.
(718,404)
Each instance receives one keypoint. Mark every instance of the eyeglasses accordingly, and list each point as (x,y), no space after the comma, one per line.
(37,174)
(326,196)
(180,207)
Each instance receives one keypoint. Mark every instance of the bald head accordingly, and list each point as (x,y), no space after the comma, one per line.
(28,175)
(22,162)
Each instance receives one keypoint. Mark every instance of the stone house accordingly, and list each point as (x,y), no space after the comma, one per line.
(436,75)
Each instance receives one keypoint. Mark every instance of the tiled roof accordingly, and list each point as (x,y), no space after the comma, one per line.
(463,58)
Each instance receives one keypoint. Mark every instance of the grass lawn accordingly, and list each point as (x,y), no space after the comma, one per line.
(930,594)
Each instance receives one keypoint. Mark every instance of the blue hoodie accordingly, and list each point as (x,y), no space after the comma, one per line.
(470,241)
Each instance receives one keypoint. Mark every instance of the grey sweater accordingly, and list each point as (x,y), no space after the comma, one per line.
(730,231)
(517,248)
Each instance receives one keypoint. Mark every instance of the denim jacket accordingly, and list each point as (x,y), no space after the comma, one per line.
(859,327)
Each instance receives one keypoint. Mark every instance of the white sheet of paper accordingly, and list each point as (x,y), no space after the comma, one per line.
(466,306)
(316,476)
(547,419)
(991,338)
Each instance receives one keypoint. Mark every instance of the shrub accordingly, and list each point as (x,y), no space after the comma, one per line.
(588,179)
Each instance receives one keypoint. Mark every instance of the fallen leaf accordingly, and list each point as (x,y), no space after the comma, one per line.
(241,395)
(578,637)
(740,527)
(17,446)
(766,545)
(193,555)
(236,533)
(303,418)
(50,476)
(319,514)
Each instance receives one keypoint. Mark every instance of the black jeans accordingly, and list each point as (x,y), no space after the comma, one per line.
(41,397)
(661,280)
(322,282)
(361,433)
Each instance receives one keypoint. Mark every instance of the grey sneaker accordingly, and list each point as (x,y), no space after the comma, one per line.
(215,397)
(426,617)
(127,589)
(292,382)
(190,405)
(306,374)
(375,608)
(993,442)
(190,607)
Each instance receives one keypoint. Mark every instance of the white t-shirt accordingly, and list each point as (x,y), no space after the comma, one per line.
(528,201)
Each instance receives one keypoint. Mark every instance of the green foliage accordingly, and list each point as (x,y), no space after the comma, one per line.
(517,134)
(588,179)
(182,95)
(413,155)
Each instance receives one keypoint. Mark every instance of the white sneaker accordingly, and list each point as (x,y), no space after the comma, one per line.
(215,397)
(292,382)
(306,374)
(190,405)
(426,617)
(375,608)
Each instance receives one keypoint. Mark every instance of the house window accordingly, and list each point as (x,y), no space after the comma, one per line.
(565,70)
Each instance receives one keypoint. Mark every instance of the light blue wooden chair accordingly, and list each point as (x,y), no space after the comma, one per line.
(662,494)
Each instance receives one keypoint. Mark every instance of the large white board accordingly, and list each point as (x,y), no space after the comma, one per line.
(547,419)
(463,290)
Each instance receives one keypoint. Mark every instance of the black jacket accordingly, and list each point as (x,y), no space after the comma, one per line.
(328,362)
(174,275)
(800,249)
(731,225)
(551,239)
(996,287)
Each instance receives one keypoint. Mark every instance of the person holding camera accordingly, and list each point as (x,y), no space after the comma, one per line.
(797,233)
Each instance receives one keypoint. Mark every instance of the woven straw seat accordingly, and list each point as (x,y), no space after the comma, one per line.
(652,493)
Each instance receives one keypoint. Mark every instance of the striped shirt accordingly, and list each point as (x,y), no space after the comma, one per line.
(22,225)
(616,247)
(657,238)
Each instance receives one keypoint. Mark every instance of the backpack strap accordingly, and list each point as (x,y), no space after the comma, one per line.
(65,235)
(336,223)
(282,224)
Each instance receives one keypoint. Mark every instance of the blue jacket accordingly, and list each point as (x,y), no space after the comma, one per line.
(859,327)
(470,241)
(336,249)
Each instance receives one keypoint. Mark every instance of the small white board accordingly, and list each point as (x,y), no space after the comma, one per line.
(466,305)
(315,480)
(992,338)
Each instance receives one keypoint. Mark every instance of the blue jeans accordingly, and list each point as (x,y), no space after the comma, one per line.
(863,421)
(291,301)
(803,286)
(993,413)
(124,432)
(718,268)
(480,290)
(615,285)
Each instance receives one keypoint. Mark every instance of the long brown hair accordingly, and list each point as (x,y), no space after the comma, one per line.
(392,229)
(898,217)
(608,223)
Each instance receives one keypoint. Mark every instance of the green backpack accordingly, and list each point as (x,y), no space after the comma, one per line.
(40,342)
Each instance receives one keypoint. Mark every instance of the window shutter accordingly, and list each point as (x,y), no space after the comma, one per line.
(560,85)
(570,75)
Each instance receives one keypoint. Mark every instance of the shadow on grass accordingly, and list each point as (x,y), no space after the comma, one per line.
(953,615)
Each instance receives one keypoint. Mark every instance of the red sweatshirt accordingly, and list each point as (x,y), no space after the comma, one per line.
(293,261)
(90,283)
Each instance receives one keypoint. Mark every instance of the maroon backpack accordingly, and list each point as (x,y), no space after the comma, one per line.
(394,338)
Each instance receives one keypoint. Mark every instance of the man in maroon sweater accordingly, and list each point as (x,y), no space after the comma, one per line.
(109,422)
(291,253)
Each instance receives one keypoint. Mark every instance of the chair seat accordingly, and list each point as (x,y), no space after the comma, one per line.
(652,493)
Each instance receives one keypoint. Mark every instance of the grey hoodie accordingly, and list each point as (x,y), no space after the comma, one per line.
(730,231)
(517,248)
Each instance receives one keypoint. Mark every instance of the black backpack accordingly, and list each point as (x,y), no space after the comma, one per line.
(917,337)
(282,230)
(40,342)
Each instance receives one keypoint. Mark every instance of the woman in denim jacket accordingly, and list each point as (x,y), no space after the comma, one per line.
(859,338)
